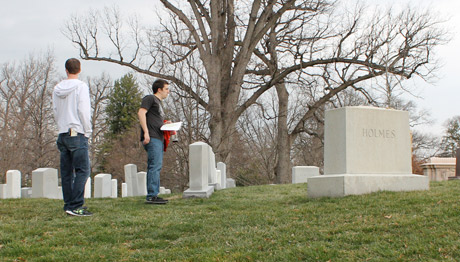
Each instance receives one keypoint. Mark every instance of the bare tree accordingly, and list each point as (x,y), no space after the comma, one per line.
(335,57)
(28,131)
(210,33)
(228,44)
(99,88)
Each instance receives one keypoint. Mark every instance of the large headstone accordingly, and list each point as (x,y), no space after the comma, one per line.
(102,185)
(131,180)
(223,174)
(13,184)
(300,174)
(198,171)
(366,149)
(45,183)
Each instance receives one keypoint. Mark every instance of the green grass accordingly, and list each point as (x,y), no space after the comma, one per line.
(259,223)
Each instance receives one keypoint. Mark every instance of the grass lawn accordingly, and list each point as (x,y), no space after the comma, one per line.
(258,223)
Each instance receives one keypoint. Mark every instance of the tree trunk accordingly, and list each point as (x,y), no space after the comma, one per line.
(283,145)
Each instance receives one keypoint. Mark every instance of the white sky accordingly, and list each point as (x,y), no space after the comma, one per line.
(32,27)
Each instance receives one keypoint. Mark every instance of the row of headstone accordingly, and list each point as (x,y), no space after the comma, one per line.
(45,185)
(204,175)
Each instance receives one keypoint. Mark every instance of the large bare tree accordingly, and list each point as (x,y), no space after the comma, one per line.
(350,49)
(237,50)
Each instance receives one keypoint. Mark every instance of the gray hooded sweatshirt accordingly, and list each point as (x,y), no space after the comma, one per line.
(71,106)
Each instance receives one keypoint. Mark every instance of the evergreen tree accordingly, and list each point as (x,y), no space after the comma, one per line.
(451,140)
(123,104)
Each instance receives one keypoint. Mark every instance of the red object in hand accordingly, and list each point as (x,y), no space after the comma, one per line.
(167,136)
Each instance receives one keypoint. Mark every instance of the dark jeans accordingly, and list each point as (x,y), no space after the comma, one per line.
(154,163)
(75,169)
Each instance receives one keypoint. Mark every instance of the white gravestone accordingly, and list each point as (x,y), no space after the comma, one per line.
(198,171)
(131,180)
(26,192)
(223,174)
(2,191)
(102,185)
(231,183)
(162,190)
(366,149)
(59,193)
(45,183)
(212,176)
(218,179)
(124,190)
(88,188)
(13,184)
(167,191)
(142,183)
(114,193)
(300,174)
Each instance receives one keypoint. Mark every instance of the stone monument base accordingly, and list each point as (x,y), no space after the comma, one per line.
(359,184)
(198,193)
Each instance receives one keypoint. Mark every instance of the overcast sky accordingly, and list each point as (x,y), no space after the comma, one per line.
(32,27)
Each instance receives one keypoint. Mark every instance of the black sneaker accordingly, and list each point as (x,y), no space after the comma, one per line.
(159,198)
(156,201)
(80,212)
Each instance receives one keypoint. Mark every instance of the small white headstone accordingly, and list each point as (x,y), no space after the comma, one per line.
(167,191)
(102,185)
(212,167)
(223,174)
(218,180)
(142,183)
(300,174)
(13,184)
(88,188)
(45,183)
(131,180)
(114,189)
(2,191)
(231,183)
(59,193)
(26,192)
(124,190)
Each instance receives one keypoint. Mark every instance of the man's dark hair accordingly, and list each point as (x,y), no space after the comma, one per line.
(72,66)
(158,84)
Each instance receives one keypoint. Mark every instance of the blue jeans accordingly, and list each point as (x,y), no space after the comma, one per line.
(154,164)
(75,169)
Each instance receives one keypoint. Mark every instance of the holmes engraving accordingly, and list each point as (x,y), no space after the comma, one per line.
(379,133)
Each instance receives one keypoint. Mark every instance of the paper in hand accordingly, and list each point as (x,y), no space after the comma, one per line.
(171,127)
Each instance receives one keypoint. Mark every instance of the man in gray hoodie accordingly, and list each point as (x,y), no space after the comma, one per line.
(72,112)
